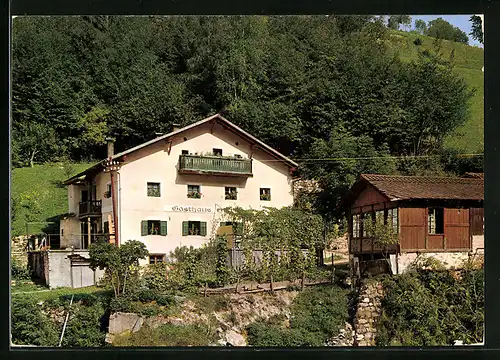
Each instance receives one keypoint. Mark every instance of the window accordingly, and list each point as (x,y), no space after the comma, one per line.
(156,258)
(237,227)
(62,231)
(185,152)
(84,195)
(107,194)
(237,156)
(105,227)
(153,189)
(392,218)
(265,194)
(379,217)
(153,227)
(194,192)
(366,219)
(356,222)
(435,220)
(217,152)
(231,193)
(194,228)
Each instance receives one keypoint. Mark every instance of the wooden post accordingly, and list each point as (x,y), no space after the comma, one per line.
(333,271)
(89,228)
(272,287)
(303,280)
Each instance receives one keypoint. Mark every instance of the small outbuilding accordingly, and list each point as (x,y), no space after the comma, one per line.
(440,217)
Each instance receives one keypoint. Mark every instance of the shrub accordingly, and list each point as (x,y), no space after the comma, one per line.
(19,272)
(266,335)
(432,308)
(30,326)
(321,309)
(417,41)
(85,325)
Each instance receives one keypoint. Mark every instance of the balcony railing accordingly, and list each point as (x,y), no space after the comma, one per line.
(214,165)
(90,208)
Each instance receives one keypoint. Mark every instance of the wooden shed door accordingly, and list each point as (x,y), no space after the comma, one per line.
(456,228)
(412,228)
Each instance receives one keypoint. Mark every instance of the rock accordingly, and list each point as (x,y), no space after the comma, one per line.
(138,325)
(109,338)
(121,322)
(362,321)
(235,339)
(366,300)
(359,337)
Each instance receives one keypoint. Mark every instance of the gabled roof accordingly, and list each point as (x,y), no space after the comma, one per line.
(214,118)
(426,187)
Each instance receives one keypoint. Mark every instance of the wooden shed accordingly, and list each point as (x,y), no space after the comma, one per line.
(430,214)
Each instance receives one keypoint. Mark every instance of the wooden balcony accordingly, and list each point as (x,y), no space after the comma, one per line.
(214,165)
(90,208)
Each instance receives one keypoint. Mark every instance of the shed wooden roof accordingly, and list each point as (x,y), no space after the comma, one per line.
(427,187)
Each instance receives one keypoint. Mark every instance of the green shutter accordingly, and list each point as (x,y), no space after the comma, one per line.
(239,228)
(223,223)
(203,228)
(163,228)
(144,228)
(185,228)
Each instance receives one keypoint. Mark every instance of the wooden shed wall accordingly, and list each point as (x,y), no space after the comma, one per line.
(369,196)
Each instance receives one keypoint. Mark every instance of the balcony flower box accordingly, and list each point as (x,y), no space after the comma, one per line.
(194,195)
(232,196)
(266,197)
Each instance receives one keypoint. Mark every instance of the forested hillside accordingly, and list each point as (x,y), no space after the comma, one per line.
(313,87)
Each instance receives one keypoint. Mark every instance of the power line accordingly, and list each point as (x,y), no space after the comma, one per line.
(389,157)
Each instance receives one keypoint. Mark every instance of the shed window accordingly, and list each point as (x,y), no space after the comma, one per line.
(105,227)
(153,227)
(435,220)
(366,218)
(194,228)
(355,226)
(185,152)
(217,152)
(392,218)
(156,258)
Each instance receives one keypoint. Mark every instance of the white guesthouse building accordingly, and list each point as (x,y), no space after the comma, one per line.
(169,192)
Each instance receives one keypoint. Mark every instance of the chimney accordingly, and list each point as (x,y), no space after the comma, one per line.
(111,146)
(175,127)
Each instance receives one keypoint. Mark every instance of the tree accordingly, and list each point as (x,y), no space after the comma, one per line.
(395,20)
(442,29)
(383,234)
(420,26)
(477,28)
(117,262)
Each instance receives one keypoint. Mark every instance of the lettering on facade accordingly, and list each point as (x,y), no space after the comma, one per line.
(192,209)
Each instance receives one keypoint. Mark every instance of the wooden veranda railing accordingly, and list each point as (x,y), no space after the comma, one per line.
(215,165)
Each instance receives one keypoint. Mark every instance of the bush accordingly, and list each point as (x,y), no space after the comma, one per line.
(432,308)
(85,325)
(417,41)
(19,272)
(30,326)
(317,314)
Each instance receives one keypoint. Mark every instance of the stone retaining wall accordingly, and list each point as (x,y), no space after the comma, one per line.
(368,313)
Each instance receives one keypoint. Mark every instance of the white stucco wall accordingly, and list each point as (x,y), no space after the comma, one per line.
(154,164)
(448,259)
(69,230)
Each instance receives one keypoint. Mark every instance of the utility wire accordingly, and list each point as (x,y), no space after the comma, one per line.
(389,157)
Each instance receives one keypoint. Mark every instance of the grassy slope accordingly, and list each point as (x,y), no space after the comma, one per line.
(43,181)
(468,61)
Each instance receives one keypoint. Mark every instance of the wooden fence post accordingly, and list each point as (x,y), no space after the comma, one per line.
(333,271)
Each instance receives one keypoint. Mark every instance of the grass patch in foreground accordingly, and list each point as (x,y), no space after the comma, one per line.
(62,292)
(168,335)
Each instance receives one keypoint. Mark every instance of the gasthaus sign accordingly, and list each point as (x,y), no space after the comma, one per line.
(191,209)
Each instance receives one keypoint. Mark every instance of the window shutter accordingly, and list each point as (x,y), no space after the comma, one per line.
(239,229)
(144,228)
(203,228)
(163,228)
(185,228)
(223,223)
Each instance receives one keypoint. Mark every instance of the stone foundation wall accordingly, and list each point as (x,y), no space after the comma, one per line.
(18,246)
(478,244)
(368,313)
(449,259)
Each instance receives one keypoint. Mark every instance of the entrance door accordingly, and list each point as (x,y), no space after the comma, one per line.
(84,195)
